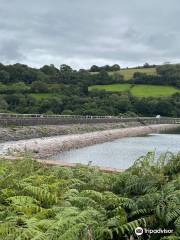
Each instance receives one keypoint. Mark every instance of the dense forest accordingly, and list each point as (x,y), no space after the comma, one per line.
(50,203)
(65,91)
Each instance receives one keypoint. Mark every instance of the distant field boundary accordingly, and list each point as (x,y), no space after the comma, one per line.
(39,119)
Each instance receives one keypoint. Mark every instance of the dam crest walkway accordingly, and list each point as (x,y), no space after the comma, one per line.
(41,119)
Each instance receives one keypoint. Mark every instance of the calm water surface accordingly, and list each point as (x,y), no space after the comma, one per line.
(122,153)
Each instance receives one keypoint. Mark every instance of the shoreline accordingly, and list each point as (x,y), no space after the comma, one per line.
(45,147)
(74,165)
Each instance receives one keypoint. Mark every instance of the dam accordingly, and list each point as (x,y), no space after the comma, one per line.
(40,119)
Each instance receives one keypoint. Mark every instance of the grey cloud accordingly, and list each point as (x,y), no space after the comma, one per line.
(82,33)
(10,51)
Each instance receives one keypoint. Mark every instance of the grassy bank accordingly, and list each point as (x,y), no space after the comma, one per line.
(139,90)
(51,203)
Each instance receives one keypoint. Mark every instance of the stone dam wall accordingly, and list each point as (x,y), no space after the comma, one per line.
(48,146)
(33,120)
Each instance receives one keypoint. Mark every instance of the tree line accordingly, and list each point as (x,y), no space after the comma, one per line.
(67,92)
(168,74)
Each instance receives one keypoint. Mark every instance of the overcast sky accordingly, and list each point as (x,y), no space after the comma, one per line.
(86,32)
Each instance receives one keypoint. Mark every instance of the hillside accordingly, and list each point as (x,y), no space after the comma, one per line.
(64,90)
(139,90)
(128,73)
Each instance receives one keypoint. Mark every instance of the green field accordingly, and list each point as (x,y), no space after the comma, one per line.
(138,90)
(112,88)
(40,96)
(128,73)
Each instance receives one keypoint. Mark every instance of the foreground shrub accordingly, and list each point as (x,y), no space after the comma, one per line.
(40,202)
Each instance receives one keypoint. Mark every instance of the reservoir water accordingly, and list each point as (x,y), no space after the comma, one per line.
(122,153)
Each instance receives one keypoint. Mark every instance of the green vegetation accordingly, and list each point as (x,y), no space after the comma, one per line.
(139,90)
(129,73)
(153,91)
(112,87)
(50,90)
(38,202)
(41,96)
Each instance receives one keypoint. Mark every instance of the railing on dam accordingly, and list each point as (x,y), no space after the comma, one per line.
(40,119)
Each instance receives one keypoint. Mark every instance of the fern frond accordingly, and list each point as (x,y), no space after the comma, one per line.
(41,195)
(172,216)
(96,196)
(141,212)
